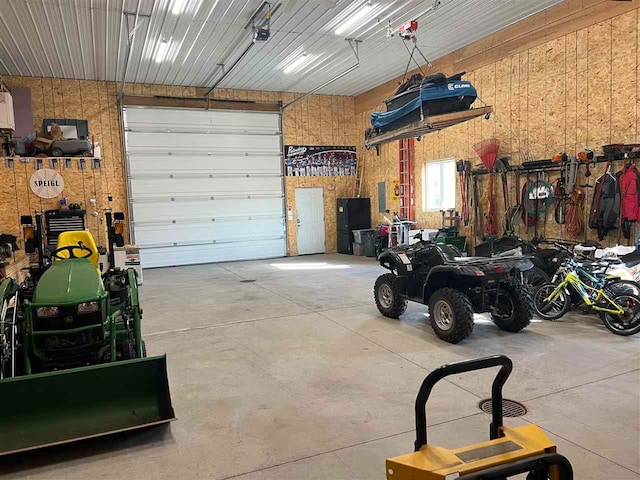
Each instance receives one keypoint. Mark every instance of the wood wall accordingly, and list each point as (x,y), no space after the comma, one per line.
(577,90)
(316,120)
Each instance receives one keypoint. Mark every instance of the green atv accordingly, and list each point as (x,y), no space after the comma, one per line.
(72,358)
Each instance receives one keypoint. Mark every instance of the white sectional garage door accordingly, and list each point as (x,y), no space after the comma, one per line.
(205,186)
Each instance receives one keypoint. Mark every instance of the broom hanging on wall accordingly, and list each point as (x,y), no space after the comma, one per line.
(487,150)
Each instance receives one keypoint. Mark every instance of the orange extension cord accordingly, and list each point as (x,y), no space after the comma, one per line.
(574,222)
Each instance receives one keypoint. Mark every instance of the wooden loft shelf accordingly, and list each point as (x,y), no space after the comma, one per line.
(428,125)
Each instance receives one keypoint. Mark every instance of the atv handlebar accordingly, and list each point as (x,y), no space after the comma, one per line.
(461,367)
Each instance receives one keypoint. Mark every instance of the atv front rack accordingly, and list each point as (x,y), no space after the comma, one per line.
(427,125)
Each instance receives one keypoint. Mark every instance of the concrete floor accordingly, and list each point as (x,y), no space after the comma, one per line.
(297,376)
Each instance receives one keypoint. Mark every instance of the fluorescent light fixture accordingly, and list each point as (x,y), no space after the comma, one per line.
(356,17)
(296,63)
(161,53)
(178,6)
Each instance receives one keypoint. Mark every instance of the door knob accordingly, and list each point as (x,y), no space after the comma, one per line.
(298,221)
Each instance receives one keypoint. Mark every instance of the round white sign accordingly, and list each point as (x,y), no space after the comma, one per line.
(46,183)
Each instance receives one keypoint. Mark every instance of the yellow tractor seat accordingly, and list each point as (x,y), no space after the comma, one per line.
(74,237)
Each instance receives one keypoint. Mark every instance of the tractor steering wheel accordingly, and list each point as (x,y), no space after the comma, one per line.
(70,249)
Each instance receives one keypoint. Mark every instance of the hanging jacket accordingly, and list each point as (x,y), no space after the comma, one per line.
(629,185)
(605,208)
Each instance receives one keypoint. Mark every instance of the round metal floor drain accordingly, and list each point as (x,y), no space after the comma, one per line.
(247,281)
(510,408)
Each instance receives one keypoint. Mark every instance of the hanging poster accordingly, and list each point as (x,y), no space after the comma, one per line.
(311,161)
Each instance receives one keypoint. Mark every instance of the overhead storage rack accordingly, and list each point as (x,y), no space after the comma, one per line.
(428,125)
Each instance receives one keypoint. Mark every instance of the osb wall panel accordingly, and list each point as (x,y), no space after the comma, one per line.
(91,101)
(319,120)
(316,120)
(80,186)
(579,90)
(333,188)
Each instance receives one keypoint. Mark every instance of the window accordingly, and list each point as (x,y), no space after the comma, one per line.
(439,185)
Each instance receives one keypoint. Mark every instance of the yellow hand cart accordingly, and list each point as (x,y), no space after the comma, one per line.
(509,452)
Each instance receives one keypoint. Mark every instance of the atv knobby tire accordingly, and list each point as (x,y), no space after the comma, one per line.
(388,300)
(521,308)
(457,308)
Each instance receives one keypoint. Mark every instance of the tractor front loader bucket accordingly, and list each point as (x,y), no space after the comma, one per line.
(63,406)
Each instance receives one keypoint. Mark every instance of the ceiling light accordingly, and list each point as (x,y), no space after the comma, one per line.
(178,6)
(359,15)
(162,51)
(296,63)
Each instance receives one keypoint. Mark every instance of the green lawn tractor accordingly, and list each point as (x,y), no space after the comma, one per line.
(73,364)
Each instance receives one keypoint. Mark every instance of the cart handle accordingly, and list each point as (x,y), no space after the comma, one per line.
(461,367)
(544,461)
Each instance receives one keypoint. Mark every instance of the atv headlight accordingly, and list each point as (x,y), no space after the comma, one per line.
(44,312)
(88,307)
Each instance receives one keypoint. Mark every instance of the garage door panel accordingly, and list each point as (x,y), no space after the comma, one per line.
(190,255)
(234,186)
(238,143)
(215,164)
(206,209)
(205,186)
(193,233)
(200,121)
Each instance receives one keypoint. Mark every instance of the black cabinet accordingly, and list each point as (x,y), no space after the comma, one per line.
(353,214)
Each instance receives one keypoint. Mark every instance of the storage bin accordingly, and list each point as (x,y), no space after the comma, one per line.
(359,235)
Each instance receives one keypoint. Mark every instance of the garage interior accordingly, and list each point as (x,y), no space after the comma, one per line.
(228,182)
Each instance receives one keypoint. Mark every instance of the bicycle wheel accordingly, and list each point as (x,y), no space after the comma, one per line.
(628,323)
(622,286)
(534,278)
(550,310)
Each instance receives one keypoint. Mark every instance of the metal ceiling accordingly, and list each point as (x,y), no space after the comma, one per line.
(87,39)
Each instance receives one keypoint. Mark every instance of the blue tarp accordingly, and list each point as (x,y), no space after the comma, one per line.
(429,92)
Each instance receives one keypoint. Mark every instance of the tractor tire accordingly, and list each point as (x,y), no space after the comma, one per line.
(388,300)
(57,152)
(128,350)
(451,315)
(519,311)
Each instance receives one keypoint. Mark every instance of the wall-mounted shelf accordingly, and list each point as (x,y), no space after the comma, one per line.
(429,125)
